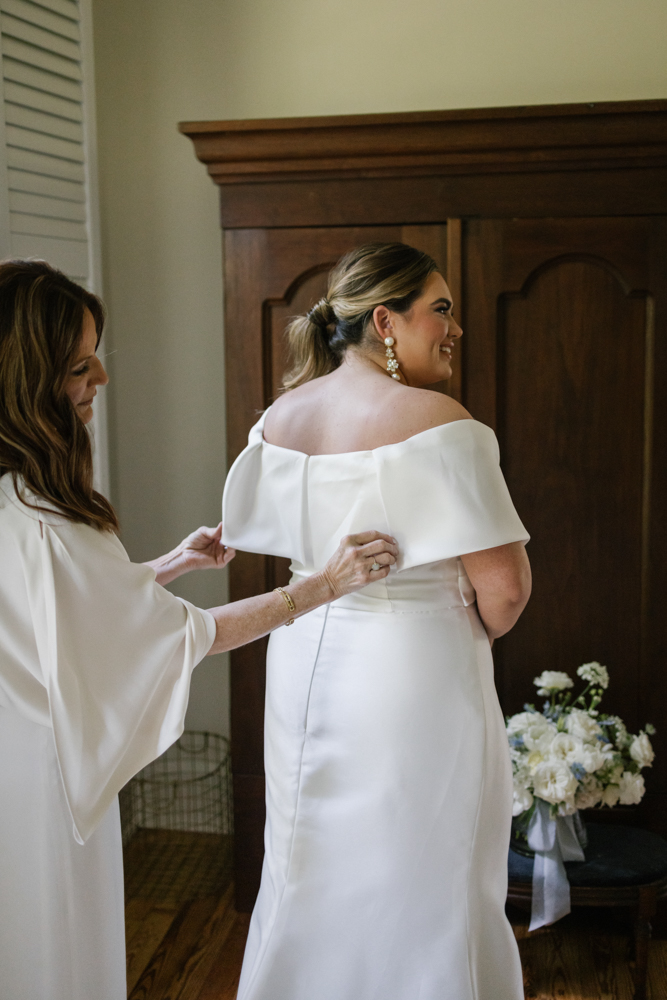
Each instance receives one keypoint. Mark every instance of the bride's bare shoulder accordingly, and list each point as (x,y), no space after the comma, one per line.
(290,408)
(322,416)
(420,409)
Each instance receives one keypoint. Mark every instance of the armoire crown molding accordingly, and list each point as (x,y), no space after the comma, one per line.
(450,157)
(389,145)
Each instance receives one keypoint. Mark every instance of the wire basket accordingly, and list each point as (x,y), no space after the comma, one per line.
(177,821)
(187,788)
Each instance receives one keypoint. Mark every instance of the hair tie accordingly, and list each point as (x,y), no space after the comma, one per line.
(322,314)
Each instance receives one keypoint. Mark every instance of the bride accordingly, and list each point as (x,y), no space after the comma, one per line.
(389,786)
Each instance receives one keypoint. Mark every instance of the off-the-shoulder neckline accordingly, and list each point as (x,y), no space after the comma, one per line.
(368,451)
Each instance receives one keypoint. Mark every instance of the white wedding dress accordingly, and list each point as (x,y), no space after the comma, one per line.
(389,787)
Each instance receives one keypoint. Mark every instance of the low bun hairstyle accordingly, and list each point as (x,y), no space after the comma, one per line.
(390,274)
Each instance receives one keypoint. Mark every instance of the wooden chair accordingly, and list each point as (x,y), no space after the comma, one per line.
(624,866)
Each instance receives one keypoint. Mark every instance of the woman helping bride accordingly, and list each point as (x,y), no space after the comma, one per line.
(389,787)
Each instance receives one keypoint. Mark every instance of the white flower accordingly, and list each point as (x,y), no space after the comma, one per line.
(589,793)
(631,788)
(567,808)
(540,735)
(522,776)
(565,747)
(594,673)
(554,782)
(592,756)
(537,732)
(610,795)
(521,721)
(533,761)
(580,724)
(523,799)
(622,736)
(614,775)
(552,680)
(641,750)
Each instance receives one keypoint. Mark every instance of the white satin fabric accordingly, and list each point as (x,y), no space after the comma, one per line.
(555,840)
(95,665)
(389,786)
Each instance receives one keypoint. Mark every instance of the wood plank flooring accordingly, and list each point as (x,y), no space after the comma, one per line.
(191,952)
(585,956)
(184,938)
(194,953)
(193,949)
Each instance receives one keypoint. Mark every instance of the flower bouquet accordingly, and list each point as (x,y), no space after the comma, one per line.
(570,755)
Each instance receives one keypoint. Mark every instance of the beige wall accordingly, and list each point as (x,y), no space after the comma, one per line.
(162,61)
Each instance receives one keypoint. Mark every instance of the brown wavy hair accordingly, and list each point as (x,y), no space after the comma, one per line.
(43,442)
(390,274)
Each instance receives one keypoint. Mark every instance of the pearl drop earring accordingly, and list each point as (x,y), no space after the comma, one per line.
(392,363)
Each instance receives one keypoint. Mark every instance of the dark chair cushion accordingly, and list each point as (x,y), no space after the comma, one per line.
(615,856)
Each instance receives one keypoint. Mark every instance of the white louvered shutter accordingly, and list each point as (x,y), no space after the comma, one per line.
(48,190)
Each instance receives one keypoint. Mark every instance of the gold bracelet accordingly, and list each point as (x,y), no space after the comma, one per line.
(288,601)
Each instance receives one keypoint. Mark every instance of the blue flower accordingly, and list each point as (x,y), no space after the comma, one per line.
(579,771)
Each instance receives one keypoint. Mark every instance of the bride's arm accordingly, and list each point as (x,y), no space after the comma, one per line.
(349,569)
(501,577)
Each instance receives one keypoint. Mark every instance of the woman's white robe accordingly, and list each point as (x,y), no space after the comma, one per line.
(95,666)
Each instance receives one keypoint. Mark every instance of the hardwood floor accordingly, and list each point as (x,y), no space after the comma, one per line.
(192,948)
(194,953)
(191,952)
(184,939)
(585,956)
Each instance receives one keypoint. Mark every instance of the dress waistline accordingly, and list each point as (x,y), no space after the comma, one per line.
(395,596)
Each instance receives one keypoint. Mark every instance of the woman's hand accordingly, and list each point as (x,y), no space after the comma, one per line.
(349,569)
(352,566)
(202,549)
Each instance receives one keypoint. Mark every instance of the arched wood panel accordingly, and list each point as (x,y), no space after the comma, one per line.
(564,316)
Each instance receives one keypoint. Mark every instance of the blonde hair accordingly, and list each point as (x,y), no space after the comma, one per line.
(390,274)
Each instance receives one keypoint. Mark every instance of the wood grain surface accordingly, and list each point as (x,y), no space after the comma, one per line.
(418,143)
(552,220)
(195,953)
(189,953)
(194,950)
(566,323)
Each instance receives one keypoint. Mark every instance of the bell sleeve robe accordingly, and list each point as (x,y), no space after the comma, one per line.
(95,666)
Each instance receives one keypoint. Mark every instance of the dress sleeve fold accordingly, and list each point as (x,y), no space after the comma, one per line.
(116,651)
(264,502)
(445,495)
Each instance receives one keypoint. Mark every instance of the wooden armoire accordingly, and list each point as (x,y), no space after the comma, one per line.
(550,224)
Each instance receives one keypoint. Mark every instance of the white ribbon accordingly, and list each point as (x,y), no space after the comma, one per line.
(554,841)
